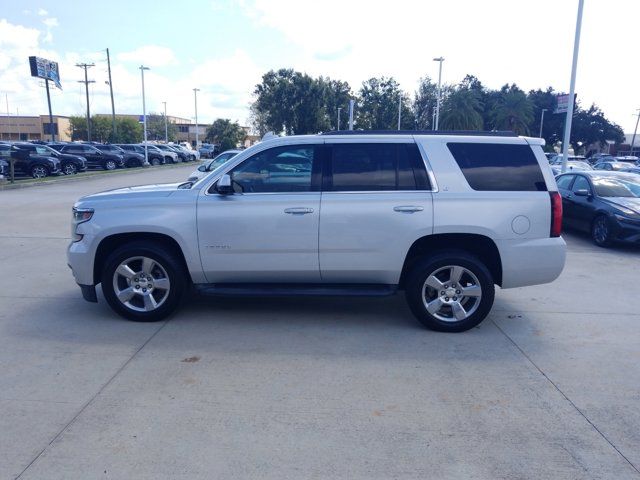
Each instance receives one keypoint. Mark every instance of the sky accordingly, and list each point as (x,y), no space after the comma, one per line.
(223,47)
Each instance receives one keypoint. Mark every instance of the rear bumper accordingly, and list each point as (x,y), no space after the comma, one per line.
(531,262)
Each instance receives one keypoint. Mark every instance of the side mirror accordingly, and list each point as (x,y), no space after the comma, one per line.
(223,187)
(582,193)
(202,168)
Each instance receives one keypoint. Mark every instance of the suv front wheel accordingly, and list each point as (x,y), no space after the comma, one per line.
(143,282)
(450,291)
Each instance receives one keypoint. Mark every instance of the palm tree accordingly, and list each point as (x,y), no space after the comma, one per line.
(462,111)
(512,111)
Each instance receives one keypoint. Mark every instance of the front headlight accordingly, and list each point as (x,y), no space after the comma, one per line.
(80,215)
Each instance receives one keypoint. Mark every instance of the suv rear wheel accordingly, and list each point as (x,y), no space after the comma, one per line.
(450,291)
(143,282)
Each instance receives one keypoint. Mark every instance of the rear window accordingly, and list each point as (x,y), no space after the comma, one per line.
(498,167)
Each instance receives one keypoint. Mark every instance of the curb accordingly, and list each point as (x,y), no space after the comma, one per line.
(83,176)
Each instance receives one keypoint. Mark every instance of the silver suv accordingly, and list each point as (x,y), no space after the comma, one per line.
(443,217)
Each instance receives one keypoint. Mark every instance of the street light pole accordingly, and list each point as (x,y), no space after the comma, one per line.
(339,108)
(572,89)
(166,129)
(351,105)
(195,98)
(633,139)
(542,121)
(144,115)
(439,99)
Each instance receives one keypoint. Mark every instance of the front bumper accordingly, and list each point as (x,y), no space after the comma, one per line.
(627,231)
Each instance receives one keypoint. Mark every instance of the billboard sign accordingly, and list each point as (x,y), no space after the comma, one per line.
(562,103)
(46,69)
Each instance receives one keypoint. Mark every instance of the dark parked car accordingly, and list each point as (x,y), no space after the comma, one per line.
(35,166)
(191,154)
(169,155)
(95,158)
(600,157)
(131,159)
(4,168)
(70,164)
(605,204)
(170,148)
(155,157)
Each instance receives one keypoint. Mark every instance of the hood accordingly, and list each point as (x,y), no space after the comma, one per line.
(632,203)
(137,192)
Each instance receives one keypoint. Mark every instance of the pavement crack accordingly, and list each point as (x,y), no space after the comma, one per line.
(90,401)
(565,396)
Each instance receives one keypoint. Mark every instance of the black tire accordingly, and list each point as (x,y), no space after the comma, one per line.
(155,162)
(170,267)
(440,265)
(110,165)
(601,231)
(39,171)
(70,169)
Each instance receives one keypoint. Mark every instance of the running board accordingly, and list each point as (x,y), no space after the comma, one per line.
(295,289)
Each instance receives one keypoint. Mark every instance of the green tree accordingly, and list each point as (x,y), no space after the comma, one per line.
(591,127)
(77,127)
(512,110)
(377,108)
(553,125)
(336,95)
(291,102)
(155,128)
(462,110)
(128,130)
(225,133)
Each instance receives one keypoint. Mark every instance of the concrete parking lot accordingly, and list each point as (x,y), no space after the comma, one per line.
(340,388)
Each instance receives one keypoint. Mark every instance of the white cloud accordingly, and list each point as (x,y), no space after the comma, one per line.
(150,55)
(42,12)
(50,22)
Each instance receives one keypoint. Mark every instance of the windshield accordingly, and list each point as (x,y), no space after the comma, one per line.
(44,150)
(219,160)
(616,187)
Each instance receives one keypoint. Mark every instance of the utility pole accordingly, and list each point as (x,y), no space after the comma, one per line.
(339,108)
(113,108)
(572,89)
(195,97)
(439,99)
(351,105)
(144,116)
(633,139)
(542,121)
(86,86)
(166,128)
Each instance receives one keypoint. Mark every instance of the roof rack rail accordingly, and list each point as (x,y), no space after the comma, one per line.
(422,132)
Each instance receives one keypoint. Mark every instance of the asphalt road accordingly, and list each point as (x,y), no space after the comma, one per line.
(338,388)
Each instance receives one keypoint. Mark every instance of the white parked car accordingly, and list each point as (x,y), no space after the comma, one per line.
(210,165)
(442,217)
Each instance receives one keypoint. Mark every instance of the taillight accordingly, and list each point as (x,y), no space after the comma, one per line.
(556,214)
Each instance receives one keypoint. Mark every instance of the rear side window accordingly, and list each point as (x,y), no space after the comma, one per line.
(564,181)
(375,167)
(498,167)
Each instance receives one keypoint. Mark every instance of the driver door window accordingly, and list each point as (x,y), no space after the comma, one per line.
(276,170)
(581,183)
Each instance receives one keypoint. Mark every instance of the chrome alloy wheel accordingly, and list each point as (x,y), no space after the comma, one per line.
(141,284)
(451,293)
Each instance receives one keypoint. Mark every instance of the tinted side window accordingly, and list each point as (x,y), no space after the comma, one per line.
(498,167)
(279,169)
(376,167)
(581,183)
(564,181)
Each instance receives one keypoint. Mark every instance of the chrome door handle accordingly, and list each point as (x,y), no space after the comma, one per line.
(298,210)
(408,209)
